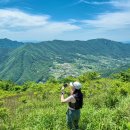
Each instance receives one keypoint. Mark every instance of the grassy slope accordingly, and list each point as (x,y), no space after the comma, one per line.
(106,106)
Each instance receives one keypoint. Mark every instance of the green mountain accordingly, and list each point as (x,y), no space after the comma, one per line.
(7,43)
(7,46)
(58,58)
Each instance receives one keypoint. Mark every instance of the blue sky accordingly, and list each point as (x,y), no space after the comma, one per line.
(41,20)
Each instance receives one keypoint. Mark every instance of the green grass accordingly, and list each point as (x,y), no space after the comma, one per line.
(49,114)
(37,106)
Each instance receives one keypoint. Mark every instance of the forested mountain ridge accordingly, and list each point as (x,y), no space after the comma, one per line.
(37,62)
(7,43)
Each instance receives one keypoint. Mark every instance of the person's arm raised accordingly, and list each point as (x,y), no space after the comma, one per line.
(66,100)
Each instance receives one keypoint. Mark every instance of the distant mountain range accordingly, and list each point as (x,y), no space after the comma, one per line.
(7,43)
(22,62)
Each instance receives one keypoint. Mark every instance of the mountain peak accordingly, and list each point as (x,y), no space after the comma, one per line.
(7,43)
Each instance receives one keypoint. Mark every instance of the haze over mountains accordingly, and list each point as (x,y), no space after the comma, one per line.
(22,62)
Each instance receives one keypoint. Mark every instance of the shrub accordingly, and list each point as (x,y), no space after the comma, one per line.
(23,99)
(3,114)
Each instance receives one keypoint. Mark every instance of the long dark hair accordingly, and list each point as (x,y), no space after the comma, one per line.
(77,91)
(78,96)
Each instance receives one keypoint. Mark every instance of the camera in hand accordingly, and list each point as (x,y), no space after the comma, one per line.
(65,85)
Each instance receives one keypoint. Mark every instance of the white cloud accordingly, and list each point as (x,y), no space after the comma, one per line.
(110,21)
(95,2)
(112,25)
(19,25)
(122,4)
(17,20)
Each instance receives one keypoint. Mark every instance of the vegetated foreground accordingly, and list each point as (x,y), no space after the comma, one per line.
(37,106)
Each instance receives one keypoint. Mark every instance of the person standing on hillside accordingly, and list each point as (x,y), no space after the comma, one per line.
(75,103)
